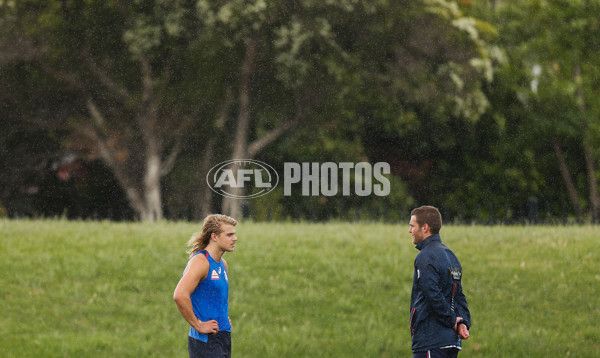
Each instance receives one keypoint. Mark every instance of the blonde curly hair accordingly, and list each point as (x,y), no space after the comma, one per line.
(212,225)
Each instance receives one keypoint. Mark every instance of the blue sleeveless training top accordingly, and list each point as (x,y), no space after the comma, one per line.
(210,298)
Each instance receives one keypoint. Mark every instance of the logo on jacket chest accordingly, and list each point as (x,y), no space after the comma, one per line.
(455,273)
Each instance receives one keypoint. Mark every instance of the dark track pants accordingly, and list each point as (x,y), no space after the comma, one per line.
(438,353)
(218,346)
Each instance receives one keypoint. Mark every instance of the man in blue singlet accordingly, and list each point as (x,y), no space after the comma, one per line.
(202,294)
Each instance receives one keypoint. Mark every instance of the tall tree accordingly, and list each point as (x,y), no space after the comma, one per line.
(556,41)
(119,61)
(286,70)
(384,59)
(423,69)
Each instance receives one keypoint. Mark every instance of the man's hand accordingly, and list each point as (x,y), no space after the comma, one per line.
(461,328)
(208,327)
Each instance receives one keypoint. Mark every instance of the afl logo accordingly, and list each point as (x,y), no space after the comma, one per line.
(242,178)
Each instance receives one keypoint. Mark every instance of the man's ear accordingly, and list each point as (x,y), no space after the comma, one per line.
(426,228)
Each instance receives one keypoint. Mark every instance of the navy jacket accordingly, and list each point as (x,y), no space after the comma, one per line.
(437,297)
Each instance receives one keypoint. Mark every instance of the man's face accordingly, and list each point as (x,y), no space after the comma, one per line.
(415,230)
(226,239)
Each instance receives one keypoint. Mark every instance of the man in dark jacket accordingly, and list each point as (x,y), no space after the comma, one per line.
(439,315)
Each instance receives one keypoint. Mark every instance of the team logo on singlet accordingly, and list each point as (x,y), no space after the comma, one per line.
(214,275)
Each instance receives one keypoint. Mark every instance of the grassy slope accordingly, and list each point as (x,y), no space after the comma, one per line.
(99,289)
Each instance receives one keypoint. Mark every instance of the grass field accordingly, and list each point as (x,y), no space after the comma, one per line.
(101,289)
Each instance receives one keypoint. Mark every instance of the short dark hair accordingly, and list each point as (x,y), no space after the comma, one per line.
(429,215)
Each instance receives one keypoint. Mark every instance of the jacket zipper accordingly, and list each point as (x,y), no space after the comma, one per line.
(412,316)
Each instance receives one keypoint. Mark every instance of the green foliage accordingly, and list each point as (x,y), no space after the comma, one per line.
(462,98)
(542,94)
(431,55)
(548,40)
(98,289)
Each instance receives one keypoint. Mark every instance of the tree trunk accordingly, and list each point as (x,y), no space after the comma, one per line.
(232,206)
(205,198)
(152,199)
(144,199)
(589,159)
(147,119)
(241,148)
(128,135)
(592,182)
(564,170)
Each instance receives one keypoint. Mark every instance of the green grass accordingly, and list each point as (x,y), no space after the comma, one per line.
(101,289)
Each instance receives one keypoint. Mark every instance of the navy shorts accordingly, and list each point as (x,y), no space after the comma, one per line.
(438,353)
(218,346)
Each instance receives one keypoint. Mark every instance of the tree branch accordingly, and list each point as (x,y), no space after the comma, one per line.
(119,91)
(224,110)
(256,146)
(108,156)
(169,162)
(147,116)
(72,80)
(95,113)
(564,171)
(147,81)
(259,144)
(167,70)
(18,49)
(243,120)
(148,111)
